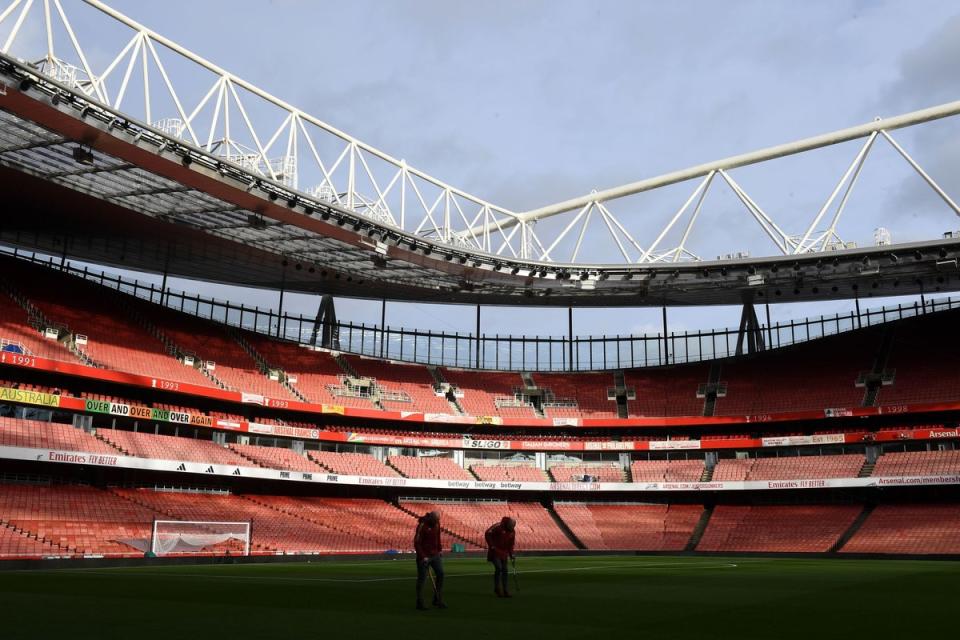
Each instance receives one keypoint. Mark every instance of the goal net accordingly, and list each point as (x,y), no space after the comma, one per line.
(219,538)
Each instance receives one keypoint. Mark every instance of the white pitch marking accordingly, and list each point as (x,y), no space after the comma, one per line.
(209,576)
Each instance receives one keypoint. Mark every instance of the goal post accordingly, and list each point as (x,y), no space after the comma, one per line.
(200,537)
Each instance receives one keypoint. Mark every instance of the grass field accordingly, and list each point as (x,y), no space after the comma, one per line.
(570,597)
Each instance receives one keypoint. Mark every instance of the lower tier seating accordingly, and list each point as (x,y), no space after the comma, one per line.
(803,528)
(468,521)
(647,527)
(921,529)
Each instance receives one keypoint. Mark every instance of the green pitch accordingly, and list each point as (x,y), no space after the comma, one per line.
(573,597)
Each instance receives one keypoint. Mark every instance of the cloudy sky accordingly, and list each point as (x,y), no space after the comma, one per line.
(527,102)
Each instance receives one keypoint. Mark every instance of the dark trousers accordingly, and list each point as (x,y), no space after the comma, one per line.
(500,572)
(423,566)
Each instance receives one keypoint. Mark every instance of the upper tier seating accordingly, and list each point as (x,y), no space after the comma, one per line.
(414,381)
(114,339)
(666,391)
(789,468)
(667,470)
(276,458)
(807,528)
(908,528)
(317,372)
(918,463)
(352,464)
(126,334)
(647,527)
(587,390)
(481,389)
(507,472)
(795,379)
(429,467)
(148,445)
(16,334)
(536,529)
(209,341)
(923,356)
(603,471)
(48,435)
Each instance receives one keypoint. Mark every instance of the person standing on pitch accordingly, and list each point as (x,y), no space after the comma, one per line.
(426,542)
(500,539)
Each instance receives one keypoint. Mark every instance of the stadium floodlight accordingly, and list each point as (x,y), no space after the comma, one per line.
(199,537)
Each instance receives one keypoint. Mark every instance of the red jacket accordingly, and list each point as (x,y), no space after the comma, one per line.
(427,540)
(499,542)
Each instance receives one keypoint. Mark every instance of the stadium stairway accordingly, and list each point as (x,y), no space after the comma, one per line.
(567,531)
(711,388)
(707,474)
(620,388)
(55,547)
(873,381)
(111,444)
(441,382)
(700,528)
(854,527)
(867,469)
(262,364)
(399,473)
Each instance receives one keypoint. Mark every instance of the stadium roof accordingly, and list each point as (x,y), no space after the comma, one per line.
(91,183)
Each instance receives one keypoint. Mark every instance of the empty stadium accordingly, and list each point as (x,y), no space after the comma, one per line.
(715,481)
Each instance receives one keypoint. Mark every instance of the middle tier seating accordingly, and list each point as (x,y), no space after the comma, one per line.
(148,445)
(437,468)
(352,464)
(49,435)
(789,468)
(509,472)
(918,463)
(276,458)
(667,470)
(603,471)
(805,528)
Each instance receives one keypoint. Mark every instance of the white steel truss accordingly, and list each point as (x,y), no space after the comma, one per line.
(184,96)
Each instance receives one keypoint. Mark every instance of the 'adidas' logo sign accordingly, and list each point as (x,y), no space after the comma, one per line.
(210,469)
(182,467)
(236,472)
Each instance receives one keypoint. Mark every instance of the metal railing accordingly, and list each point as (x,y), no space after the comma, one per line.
(498,352)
